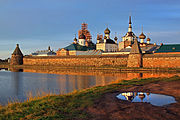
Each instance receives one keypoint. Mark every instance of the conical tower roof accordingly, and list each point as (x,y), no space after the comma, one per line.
(17,51)
(135,48)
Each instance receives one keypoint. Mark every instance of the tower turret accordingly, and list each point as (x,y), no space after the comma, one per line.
(49,48)
(141,96)
(105,38)
(75,40)
(130,26)
(135,56)
(17,56)
(107,33)
(98,38)
(115,38)
(148,40)
(142,36)
(82,39)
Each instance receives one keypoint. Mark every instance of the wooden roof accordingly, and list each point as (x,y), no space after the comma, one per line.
(17,51)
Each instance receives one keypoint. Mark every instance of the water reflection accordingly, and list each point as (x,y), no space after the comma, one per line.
(103,73)
(154,99)
(16,84)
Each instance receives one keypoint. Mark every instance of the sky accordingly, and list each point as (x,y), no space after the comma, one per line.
(37,24)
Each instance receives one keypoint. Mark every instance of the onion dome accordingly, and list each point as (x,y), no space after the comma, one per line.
(82,36)
(142,36)
(130,98)
(105,37)
(98,37)
(148,93)
(141,96)
(148,39)
(115,38)
(107,31)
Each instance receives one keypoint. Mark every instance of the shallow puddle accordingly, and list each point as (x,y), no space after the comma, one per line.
(154,99)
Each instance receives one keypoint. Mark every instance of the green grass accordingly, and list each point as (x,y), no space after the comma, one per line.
(70,106)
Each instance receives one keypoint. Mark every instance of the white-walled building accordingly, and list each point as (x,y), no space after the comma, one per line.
(130,36)
(82,39)
(107,44)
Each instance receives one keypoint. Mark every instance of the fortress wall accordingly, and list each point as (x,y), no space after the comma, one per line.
(104,60)
(134,60)
(161,60)
(148,60)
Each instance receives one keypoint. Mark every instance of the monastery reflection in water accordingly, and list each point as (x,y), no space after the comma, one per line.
(15,84)
(154,99)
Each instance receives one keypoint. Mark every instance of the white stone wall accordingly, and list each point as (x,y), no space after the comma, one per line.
(82,42)
(100,46)
(107,47)
(115,53)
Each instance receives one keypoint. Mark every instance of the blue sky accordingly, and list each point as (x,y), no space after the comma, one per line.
(36,24)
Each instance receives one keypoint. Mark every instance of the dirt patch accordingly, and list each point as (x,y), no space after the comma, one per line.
(111,108)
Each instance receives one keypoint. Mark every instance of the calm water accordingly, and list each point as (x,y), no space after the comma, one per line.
(154,99)
(17,85)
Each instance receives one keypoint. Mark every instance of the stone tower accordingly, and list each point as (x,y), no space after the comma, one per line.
(135,56)
(17,56)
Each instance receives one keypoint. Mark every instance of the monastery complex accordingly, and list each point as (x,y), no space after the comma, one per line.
(106,45)
(131,51)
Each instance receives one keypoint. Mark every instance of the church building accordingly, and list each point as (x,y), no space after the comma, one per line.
(129,38)
(85,38)
(81,46)
(106,44)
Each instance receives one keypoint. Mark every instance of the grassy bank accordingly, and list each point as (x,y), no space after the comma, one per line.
(70,106)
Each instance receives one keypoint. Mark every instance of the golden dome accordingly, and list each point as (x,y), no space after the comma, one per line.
(107,31)
(142,36)
(98,37)
(148,93)
(148,39)
(141,96)
(115,38)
